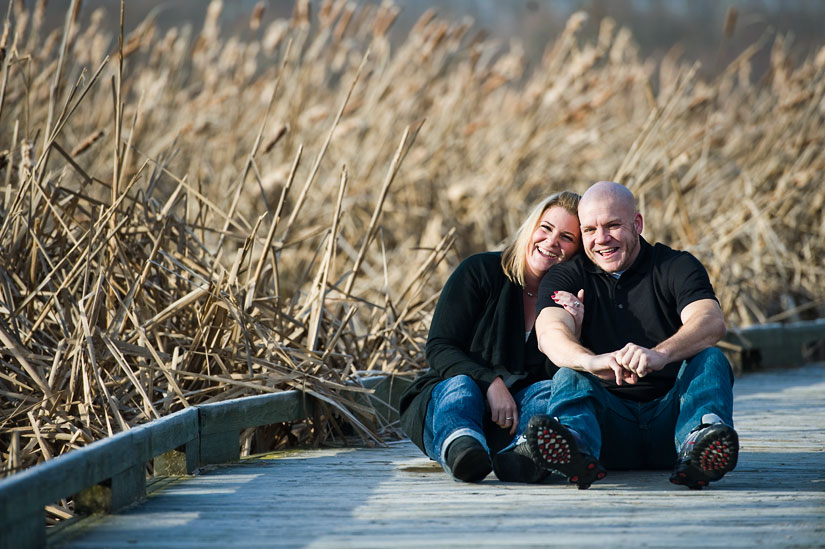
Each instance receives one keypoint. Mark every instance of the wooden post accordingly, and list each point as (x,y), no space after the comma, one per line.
(24,532)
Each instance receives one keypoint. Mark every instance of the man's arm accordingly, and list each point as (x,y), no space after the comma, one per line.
(703,325)
(555,330)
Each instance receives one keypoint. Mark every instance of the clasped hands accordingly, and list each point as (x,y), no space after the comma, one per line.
(628,364)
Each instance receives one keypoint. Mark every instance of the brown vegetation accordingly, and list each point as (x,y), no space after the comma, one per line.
(188,217)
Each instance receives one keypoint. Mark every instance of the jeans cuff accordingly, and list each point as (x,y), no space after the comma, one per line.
(454,435)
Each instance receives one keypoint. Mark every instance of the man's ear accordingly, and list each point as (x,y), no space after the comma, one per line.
(638,223)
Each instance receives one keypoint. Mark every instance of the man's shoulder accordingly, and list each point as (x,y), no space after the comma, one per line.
(577,266)
(663,254)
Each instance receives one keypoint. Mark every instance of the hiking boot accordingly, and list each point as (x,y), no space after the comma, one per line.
(554,446)
(709,451)
(517,465)
(468,460)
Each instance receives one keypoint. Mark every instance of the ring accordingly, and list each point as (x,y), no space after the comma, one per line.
(576,304)
(505,419)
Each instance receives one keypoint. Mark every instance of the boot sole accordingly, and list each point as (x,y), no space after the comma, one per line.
(552,446)
(713,455)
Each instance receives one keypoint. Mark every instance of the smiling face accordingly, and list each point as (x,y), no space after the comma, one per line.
(610,226)
(556,238)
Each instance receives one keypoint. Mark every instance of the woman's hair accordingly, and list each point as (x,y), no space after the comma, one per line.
(513,257)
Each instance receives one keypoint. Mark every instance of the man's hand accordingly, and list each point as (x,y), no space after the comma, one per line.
(640,360)
(504,410)
(607,367)
(555,330)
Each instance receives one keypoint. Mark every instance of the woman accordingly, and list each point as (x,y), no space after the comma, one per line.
(487,376)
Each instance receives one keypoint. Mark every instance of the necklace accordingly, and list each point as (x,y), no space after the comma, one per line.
(529,293)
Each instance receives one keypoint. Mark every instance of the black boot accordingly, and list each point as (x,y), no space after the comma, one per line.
(517,465)
(468,460)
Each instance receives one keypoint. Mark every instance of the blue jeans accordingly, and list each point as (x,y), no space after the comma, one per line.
(625,434)
(458,408)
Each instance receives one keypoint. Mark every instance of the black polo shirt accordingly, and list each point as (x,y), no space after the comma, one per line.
(642,306)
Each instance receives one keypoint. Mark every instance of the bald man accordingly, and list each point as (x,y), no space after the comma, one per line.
(643,388)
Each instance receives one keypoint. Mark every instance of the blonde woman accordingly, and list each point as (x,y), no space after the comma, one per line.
(486,376)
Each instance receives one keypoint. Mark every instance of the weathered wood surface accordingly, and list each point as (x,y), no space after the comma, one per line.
(393,497)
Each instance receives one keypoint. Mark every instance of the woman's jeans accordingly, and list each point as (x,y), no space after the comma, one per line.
(625,434)
(458,408)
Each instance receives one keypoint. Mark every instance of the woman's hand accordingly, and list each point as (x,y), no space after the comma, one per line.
(573,304)
(504,411)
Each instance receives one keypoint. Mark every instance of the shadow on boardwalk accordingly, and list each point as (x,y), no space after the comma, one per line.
(395,497)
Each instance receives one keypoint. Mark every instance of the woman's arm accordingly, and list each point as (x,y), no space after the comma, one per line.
(463,303)
(460,306)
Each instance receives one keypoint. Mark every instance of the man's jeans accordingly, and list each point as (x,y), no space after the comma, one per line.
(624,434)
(457,408)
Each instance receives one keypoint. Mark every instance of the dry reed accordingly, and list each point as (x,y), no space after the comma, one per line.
(189,218)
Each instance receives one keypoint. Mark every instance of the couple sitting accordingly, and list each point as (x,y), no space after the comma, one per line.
(542,359)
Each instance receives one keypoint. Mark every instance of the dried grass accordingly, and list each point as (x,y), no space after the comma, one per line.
(188,218)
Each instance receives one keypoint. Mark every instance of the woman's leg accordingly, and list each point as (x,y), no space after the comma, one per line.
(456,410)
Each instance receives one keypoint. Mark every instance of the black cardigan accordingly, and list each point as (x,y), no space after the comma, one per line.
(477,330)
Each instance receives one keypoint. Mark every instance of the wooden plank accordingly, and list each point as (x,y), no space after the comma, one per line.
(382,497)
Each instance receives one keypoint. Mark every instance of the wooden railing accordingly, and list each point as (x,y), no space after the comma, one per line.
(110,474)
(775,345)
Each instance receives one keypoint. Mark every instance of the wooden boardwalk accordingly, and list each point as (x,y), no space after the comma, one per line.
(395,497)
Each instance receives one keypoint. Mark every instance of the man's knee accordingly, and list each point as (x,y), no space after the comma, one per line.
(567,379)
(539,389)
(571,382)
(713,358)
(712,354)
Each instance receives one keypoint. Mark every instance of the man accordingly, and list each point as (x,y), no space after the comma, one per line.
(645,388)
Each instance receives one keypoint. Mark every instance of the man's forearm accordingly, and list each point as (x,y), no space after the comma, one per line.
(702,328)
(556,339)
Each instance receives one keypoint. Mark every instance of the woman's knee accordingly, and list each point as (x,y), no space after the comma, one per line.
(459,383)
(461,387)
